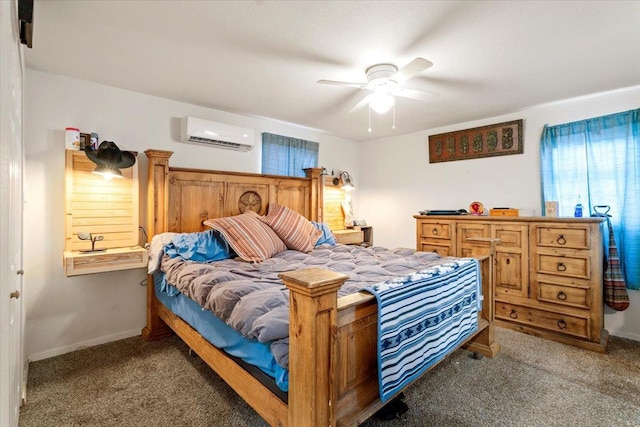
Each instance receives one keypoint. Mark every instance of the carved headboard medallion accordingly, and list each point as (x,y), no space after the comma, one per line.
(250,200)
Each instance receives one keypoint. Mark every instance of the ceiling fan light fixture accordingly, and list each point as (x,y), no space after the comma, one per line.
(381,101)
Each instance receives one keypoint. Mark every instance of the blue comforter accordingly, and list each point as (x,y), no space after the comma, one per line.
(251,298)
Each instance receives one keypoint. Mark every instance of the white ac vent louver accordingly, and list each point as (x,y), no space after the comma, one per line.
(213,134)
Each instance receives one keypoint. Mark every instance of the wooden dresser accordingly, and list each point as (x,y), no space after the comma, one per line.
(548,271)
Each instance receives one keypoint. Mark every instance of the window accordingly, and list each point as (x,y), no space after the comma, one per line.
(282,155)
(599,160)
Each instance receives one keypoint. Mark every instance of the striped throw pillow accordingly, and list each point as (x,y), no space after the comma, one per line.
(249,237)
(296,231)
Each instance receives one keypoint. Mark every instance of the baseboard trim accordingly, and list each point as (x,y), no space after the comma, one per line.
(25,374)
(83,344)
(622,334)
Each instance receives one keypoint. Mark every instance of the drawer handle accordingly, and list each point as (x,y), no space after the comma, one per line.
(561,267)
(561,240)
(434,231)
(513,314)
(562,324)
(562,296)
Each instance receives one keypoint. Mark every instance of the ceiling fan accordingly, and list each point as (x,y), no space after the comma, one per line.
(385,82)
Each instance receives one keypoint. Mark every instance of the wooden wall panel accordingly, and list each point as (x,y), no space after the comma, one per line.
(295,197)
(197,204)
(98,206)
(333,197)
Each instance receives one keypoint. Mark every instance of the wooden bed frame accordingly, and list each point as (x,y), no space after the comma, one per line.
(332,354)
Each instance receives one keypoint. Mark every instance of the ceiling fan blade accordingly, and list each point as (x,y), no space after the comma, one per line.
(333,82)
(420,95)
(414,67)
(360,104)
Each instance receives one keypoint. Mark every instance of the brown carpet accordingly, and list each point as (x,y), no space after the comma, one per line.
(532,382)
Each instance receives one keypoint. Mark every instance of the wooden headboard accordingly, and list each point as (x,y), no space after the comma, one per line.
(180,199)
(333,196)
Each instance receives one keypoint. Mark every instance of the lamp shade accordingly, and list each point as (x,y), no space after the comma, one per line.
(381,101)
(109,159)
(108,154)
(107,172)
(347,185)
(344,177)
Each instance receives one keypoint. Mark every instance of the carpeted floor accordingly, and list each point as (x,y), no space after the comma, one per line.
(532,382)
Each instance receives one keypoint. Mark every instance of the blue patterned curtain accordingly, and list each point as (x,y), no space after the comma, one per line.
(282,155)
(598,160)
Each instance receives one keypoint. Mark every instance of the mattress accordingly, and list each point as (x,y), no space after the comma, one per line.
(243,308)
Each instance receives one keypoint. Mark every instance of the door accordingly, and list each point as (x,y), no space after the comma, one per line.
(11,161)
(512,259)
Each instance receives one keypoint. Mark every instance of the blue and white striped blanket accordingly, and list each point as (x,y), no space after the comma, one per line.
(422,317)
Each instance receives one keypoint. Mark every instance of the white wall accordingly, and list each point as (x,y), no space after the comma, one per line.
(12,363)
(397,179)
(63,314)
(393,177)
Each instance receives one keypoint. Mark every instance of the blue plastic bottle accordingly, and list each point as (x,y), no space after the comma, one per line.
(578,209)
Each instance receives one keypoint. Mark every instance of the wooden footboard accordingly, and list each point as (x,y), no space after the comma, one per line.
(333,341)
(333,374)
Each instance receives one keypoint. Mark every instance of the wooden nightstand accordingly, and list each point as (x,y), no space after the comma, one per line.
(367,235)
(351,236)
(355,236)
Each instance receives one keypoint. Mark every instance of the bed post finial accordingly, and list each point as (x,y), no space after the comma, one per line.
(485,342)
(316,195)
(157,191)
(157,205)
(313,346)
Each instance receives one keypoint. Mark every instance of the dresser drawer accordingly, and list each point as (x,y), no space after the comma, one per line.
(565,295)
(511,237)
(570,266)
(564,237)
(442,250)
(556,322)
(435,230)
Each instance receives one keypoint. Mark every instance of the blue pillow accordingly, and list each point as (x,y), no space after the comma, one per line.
(327,235)
(201,246)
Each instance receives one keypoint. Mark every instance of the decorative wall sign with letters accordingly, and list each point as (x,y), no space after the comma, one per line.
(494,140)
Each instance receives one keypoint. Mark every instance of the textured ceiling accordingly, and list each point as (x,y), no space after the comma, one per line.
(263,58)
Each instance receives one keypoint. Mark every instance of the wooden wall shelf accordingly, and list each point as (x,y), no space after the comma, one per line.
(105,208)
(77,263)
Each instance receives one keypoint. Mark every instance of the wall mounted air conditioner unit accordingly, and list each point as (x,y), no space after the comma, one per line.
(213,134)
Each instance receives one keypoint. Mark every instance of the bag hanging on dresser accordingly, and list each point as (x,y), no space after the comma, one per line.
(615,288)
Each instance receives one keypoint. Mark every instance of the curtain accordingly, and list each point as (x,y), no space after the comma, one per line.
(598,161)
(282,155)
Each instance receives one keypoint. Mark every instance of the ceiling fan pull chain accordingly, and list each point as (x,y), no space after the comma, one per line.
(369,118)
(394,117)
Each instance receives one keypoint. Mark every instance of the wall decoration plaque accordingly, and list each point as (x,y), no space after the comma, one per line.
(487,141)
